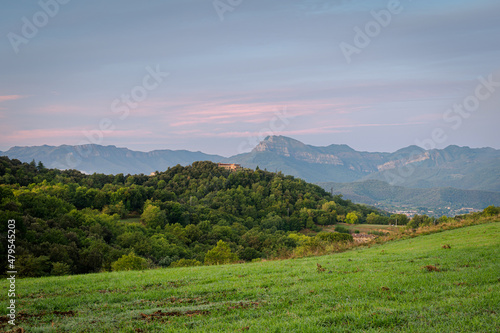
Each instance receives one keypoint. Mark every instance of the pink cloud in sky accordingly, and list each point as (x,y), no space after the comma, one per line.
(225,112)
(10,98)
(341,128)
(68,135)
(265,132)
(60,109)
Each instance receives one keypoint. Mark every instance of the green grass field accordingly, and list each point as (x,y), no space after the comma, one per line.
(381,288)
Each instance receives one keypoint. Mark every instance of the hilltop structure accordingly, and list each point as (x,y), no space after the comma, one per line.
(230,166)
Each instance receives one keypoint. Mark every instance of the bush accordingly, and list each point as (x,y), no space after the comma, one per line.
(249,253)
(378,233)
(219,255)
(419,221)
(60,268)
(31,266)
(491,211)
(185,263)
(342,229)
(130,262)
(332,237)
(168,260)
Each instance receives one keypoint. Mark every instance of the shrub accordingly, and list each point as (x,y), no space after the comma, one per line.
(60,268)
(491,211)
(249,253)
(378,233)
(31,266)
(221,254)
(332,237)
(130,262)
(168,260)
(342,229)
(299,239)
(185,263)
(419,221)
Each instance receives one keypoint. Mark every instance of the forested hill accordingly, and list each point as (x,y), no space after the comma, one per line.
(69,222)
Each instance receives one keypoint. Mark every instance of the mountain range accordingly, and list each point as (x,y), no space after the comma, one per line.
(107,159)
(446,200)
(458,167)
(411,167)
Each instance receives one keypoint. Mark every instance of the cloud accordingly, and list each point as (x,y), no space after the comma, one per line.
(61,109)
(10,98)
(71,134)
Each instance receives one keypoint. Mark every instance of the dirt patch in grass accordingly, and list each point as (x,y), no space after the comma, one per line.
(431,268)
(460,283)
(21,316)
(362,238)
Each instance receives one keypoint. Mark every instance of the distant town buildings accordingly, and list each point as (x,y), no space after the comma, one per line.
(230,166)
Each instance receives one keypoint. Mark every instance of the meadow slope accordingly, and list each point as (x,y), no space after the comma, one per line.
(381,288)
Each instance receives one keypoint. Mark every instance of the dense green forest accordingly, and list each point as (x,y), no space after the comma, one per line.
(68,222)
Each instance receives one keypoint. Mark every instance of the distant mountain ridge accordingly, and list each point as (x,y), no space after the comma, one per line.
(107,159)
(381,194)
(458,167)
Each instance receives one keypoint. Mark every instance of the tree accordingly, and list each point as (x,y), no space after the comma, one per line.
(31,266)
(371,218)
(154,217)
(249,253)
(40,167)
(374,218)
(351,218)
(419,221)
(60,268)
(491,211)
(220,255)
(130,262)
(399,219)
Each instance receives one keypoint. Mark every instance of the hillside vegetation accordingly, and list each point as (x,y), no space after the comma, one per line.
(69,222)
(443,282)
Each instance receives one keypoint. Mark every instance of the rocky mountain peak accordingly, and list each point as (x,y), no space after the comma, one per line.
(280,145)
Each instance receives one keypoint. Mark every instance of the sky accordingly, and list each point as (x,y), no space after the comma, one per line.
(219,76)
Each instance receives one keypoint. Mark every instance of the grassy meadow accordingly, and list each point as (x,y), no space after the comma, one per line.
(443,282)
